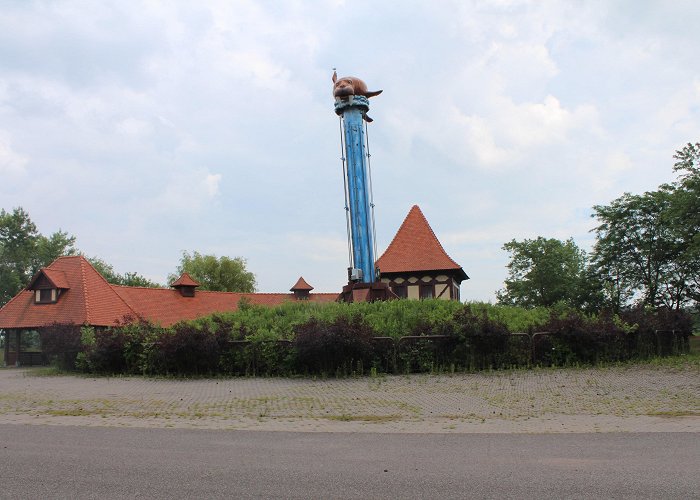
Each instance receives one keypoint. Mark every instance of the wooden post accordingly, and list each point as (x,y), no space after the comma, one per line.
(18,332)
(7,347)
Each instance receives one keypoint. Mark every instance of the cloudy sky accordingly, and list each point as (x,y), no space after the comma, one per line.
(150,128)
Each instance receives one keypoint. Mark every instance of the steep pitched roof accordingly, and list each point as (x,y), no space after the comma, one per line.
(416,248)
(87,299)
(301,284)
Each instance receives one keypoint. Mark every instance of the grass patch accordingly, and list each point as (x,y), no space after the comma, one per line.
(675,413)
(364,418)
(682,361)
(46,371)
(74,412)
(695,344)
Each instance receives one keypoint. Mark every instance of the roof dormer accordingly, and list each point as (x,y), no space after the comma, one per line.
(48,285)
(185,285)
(301,289)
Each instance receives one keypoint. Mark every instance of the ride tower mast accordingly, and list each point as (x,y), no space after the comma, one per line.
(351,105)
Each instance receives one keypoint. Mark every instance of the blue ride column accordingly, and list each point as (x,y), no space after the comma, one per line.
(352,111)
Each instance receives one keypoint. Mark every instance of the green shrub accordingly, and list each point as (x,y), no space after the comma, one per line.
(105,353)
(342,346)
(184,349)
(341,339)
(484,340)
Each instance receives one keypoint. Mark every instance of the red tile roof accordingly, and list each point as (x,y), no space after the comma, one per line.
(184,280)
(301,284)
(56,277)
(91,300)
(416,248)
(88,300)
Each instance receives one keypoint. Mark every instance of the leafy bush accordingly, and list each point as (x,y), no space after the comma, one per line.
(184,349)
(342,339)
(484,340)
(516,319)
(659,332)
(341,346)
(107,354)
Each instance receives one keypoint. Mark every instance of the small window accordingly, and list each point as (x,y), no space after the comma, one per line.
(45,295)
(427,291)
(400,291)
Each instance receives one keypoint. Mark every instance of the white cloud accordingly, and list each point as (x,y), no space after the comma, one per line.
(508,119)
(134,127)
(211,184)
(479,135)
(318,247)
(504,132)
(186,192)
(11,162)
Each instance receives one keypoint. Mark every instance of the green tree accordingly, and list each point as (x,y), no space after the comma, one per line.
(685,214)
(23,251)
(222,274)
(635,243)
(648,246)
(126,279)
(546,271)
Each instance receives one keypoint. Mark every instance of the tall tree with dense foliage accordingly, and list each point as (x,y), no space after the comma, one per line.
(221,274)
(635,244)
(685,213)
(546,271)
(648,245)
(23,251)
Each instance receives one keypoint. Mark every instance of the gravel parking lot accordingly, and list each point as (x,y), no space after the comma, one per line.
(641,398)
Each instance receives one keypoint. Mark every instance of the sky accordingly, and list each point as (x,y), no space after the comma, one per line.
(148,128)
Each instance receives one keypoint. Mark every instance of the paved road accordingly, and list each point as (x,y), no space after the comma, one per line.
(92,462)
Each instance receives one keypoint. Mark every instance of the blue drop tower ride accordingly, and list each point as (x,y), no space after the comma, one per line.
(358,192)
(351,105)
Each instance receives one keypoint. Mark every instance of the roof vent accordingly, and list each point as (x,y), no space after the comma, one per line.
(185,285)
(301,289)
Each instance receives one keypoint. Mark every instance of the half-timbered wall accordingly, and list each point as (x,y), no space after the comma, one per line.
(423,286)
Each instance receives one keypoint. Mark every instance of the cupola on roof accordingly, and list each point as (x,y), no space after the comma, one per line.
(184,280)
(300,285)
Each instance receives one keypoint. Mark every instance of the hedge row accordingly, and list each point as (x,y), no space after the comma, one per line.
(340,340)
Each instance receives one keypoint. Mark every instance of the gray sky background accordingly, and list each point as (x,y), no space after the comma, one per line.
(149,128)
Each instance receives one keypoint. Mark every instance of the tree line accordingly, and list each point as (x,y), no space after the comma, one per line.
(24,250)
(646,253)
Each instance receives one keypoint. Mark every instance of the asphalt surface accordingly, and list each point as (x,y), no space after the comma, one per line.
(92,462)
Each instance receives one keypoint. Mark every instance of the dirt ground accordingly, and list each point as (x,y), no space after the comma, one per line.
(634,398)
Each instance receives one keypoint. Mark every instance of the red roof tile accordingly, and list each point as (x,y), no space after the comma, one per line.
(88,300)
(91,300)
(416,248)
(57,278)
(301,284)
(184,280)
(166,307)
